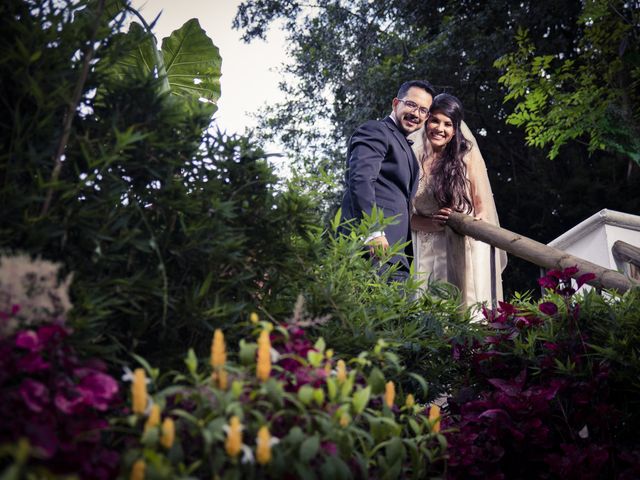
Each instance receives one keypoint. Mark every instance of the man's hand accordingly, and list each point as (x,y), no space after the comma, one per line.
(378,243)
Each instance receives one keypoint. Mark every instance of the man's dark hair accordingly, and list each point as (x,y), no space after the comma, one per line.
(423,84)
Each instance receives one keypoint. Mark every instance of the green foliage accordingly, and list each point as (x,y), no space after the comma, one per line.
(170,229)
(588,90)
(188,63)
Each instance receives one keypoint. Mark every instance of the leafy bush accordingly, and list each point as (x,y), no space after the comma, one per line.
(554,390)
(293,413)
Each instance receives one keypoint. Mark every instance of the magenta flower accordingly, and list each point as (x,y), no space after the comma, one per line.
(548,308)
(34,394)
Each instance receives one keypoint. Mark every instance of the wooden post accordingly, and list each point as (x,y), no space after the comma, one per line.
(456,261)
(536,252)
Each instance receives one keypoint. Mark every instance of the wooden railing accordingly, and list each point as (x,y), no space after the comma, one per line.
(535,252)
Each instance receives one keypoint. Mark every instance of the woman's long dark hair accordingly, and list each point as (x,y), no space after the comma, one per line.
(449,171)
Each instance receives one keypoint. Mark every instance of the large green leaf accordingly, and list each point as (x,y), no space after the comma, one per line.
(192,62)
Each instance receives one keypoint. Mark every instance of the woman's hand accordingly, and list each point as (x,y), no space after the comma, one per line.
(441,216)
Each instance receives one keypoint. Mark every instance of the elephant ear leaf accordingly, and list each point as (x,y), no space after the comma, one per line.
(140,54)
(192,63)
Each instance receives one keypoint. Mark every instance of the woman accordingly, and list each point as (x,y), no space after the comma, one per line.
(453,177)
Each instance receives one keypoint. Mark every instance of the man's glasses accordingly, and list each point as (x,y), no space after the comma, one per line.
(413,106)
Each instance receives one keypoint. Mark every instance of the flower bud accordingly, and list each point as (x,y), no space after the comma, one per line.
(138,470)
(434,416)
(168,433)
(139,391)
(410,401)
(233,443)
(154,417)
(263,367)
(389,394)
(218,350)
(341,371)
(254,318)
(263,446)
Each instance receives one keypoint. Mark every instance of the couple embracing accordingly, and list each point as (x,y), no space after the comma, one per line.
(419,164)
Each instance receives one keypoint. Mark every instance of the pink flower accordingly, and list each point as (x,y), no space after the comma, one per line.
(34,394)
(548,308)
(97,390)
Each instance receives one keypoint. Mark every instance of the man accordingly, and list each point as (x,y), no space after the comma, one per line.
(382,170)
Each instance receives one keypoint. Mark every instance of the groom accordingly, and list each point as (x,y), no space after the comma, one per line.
(382,170)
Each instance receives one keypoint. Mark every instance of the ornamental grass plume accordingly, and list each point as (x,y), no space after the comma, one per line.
(168,433)
(434,416)
(341,371)
(218,350)
(389,394)
(138,470)
(139,396)
(233,443)
(263,368)
(154,417)
(263,446)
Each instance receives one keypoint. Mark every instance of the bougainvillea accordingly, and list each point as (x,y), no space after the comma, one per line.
(56,401)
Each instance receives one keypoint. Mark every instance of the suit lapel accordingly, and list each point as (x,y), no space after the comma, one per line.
(411,158)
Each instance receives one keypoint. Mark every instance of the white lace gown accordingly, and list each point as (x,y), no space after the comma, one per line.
(431,255)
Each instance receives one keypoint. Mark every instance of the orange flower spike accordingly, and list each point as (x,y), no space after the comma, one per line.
(389,394)
(233,443)
(341,371)
(139,391)
(263,446)
(434,416)
(263,368)
(154,417)
(218,350)
(168,433)
(138,470)
(223,379)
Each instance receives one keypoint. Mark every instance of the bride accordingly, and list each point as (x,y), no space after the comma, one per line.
(453,177)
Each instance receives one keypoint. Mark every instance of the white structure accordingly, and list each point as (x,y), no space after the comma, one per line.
(593,239)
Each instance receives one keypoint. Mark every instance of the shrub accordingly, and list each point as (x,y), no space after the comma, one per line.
(545,399)
(295,412)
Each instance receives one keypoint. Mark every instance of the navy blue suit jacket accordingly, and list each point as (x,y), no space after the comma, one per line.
(381,170)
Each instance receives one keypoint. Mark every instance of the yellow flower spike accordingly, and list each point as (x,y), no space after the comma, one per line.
(154,417)
(410,401)
(434,416)
(329,354)
(341,371)
(233,443)
(263,446)
(218,350)
(327,368)
(139,391)
(254,318)
(168,433)
(223,379)
(344,420)
(138,470)
(389,394)
(263,367)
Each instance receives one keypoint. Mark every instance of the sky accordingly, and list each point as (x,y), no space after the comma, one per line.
(249,77)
